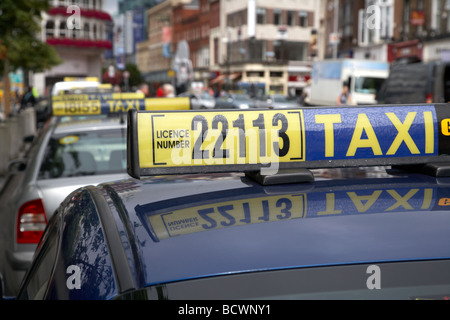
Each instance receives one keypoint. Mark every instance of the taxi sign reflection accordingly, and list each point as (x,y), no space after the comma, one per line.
(217,210)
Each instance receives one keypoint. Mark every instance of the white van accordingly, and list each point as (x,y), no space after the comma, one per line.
(364,78)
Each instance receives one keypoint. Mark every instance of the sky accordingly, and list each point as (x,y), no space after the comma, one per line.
(110,6)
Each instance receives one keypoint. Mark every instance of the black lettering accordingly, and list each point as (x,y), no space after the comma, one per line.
(222,153)
(198,153)
(282,134)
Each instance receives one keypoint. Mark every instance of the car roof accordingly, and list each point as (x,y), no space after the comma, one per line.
(331,222)
(64,125)
(68,85)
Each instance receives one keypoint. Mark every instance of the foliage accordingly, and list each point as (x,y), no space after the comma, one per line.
(19,35)
(134,80)
(135,75)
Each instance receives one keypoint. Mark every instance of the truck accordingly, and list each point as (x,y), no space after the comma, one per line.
(363,77)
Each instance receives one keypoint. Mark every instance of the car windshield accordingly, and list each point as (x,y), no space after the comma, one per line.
(85,153)
(368,85)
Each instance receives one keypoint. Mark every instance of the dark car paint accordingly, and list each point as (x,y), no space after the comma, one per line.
(407,222)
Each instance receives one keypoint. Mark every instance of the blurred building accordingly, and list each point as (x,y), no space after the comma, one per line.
(130,28)
(266,44)
(387,30)
(129,5)
(154,55)
(170,23)
(237,44)
(78,31)
(191,25)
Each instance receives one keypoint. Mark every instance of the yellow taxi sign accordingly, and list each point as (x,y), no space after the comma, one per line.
(218,139)
(100,96)
(106,104)
(90,79)
(249,140)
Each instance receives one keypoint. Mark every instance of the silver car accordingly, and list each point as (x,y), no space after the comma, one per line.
(201,100)
(234,101)
(277,101)
(69,153)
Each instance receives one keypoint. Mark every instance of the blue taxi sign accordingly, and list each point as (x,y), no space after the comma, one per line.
(103,104)
(322,137)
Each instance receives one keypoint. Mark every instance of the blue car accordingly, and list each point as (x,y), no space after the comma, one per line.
(337,215)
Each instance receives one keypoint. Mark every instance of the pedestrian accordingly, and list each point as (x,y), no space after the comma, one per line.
(159,91)
(344,98)
(168,90)
(28,99)
(306,94)
(143,88)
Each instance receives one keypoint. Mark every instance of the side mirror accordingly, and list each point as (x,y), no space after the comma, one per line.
(28,139)
(17,165)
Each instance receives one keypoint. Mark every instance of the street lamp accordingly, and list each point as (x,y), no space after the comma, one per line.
(336,26)
(334,37)
(228,61)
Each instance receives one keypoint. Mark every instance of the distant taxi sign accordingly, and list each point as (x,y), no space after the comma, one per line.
(103,105)
(248,140)
(99,96)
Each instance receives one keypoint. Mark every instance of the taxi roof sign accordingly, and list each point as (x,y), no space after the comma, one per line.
(106,104)
(91,79)
(100,96)
(181,142)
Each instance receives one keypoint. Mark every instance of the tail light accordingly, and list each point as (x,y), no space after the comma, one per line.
(429,98)
(31,222)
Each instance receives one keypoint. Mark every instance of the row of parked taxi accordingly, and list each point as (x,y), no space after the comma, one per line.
(131,198)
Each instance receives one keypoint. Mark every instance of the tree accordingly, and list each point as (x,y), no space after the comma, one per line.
(116,77)
(21,48)
(135,75)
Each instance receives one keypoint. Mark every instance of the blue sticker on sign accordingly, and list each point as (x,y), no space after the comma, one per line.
(367,133)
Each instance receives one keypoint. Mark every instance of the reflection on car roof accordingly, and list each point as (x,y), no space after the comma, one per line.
(218,224)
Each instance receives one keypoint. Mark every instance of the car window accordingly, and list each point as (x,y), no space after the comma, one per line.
(412,280)
(85,153)
(368,85)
